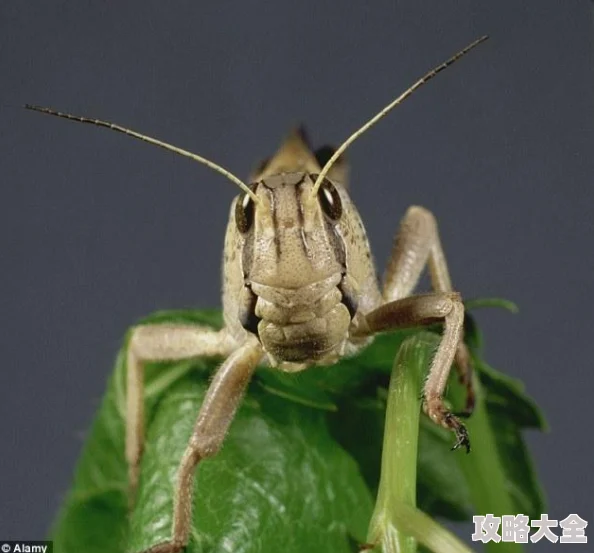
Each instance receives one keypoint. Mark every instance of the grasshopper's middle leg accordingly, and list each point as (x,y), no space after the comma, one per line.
(165,342)
(417,245)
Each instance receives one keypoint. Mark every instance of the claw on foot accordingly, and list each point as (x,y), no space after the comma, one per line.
(462,439)
(439,414)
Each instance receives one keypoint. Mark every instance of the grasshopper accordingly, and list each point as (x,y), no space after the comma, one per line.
(299,289)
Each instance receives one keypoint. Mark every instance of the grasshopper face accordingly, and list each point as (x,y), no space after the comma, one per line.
(298,293)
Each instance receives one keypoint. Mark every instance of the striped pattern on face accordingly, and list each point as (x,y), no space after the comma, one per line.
(291,243)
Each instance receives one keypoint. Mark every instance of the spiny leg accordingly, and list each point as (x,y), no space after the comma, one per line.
(165,342)
(424,310)
(417,244)
(216,413)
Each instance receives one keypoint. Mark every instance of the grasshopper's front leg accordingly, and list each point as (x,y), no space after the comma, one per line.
(428,309)
(417,244)
(165,342)
(216,413)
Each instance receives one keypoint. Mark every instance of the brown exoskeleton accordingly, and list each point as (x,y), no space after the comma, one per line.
(299,289)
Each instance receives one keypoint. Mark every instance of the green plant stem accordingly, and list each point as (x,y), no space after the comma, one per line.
(426,530)
(399,455)
(396,524)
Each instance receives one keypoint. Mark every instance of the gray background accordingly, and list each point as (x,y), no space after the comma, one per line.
(98,230)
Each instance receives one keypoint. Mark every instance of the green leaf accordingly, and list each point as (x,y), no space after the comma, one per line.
(299,467)
(510,410)
(279,468)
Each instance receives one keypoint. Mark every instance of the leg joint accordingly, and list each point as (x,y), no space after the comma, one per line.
(203,446)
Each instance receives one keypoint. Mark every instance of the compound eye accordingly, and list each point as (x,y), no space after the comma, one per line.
(330,200)
(244,213)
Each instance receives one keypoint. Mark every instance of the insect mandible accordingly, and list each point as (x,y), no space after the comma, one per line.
(299,289)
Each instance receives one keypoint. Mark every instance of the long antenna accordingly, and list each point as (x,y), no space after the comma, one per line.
(150,140)
(339,151)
